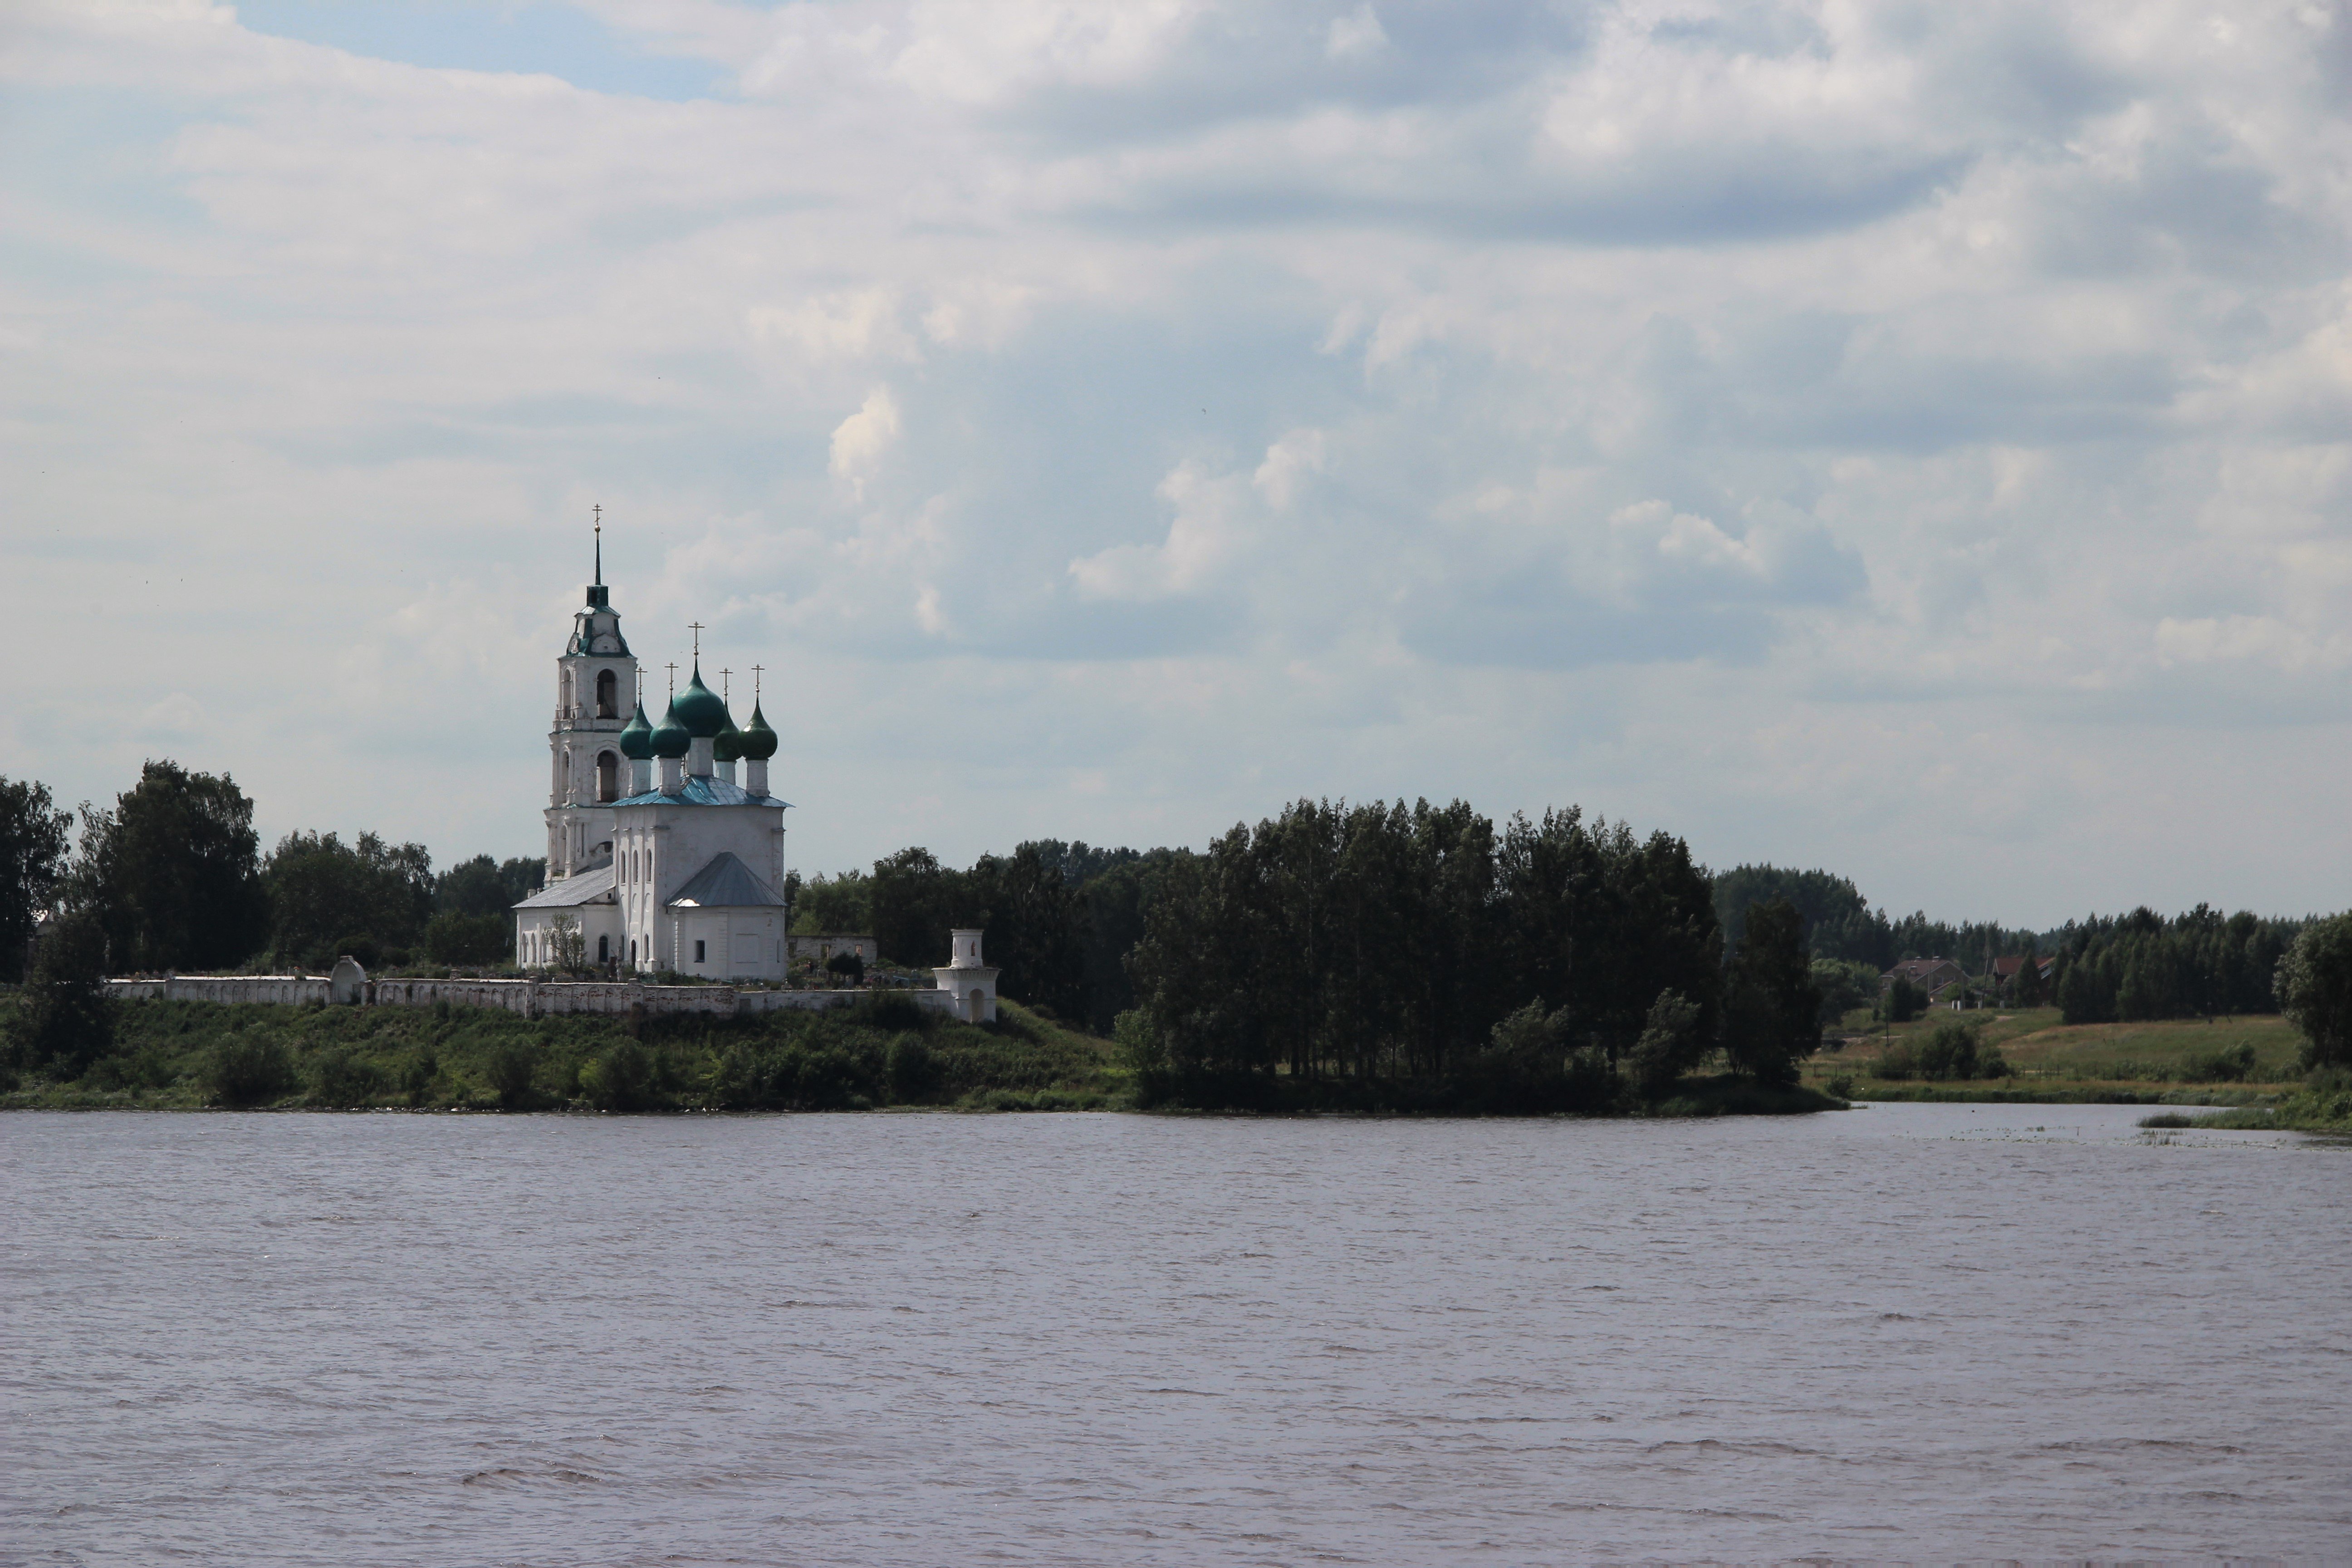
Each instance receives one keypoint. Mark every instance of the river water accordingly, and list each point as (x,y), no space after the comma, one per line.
(1897,1332)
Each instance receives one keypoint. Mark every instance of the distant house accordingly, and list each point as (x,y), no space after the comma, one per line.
(1929,975)
(2005,971)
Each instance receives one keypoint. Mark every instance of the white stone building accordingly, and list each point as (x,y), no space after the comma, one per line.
(656,856)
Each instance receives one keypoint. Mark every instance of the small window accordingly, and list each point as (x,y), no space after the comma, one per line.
(603,948)
(608,776)
(698,952)
(633,952)
(608,703)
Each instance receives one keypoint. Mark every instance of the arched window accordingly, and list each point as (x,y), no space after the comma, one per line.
(608,705)
(633,952)
(608,775)
(603,948)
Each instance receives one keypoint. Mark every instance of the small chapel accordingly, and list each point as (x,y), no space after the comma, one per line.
(660,857)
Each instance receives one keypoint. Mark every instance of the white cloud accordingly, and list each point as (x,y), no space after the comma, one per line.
(1497,400)
(860,441)
(1356,35)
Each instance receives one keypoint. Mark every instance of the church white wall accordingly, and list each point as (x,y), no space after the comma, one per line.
(533,998)
(535,932)
(657,849)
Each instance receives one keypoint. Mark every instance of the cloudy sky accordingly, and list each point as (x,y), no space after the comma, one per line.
(1910,439)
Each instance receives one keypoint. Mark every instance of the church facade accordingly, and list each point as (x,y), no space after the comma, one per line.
(658,858)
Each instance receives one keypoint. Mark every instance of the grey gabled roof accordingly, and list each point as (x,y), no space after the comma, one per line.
(727,884)
(585,887)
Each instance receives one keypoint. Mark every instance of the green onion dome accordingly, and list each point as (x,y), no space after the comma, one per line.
(669,737)
(727,745)
(756,742)
(699,709)
(638,736)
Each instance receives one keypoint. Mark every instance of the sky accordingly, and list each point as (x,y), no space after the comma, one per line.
(1907,438)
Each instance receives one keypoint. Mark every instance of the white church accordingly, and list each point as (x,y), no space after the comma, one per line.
(660,857)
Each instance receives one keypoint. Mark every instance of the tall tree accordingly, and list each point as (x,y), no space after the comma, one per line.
(2314,991)
(71,1020)
(914,903)
(32,863)
(1772,1010)
(171,872)
(369,899)
(1031,913)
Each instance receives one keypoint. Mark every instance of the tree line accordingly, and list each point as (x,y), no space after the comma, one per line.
(171,875)
(2142,965)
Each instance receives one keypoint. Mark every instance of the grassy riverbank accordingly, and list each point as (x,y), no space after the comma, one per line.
(2181,1061)
(2324,1104)
(886,1053)
(185,1056)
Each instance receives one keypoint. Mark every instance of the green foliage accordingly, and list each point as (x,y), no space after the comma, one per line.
(2314,984)
(482,886)
(1844,985)
(2225,1065)
(620,1078)
(912,1075)
(69,1020)
(508,1067)
(1903,1001)
(341,1078)
(2143,966)
(842,903)
(1951,1052)
(1772,1010)
(915,900)
(369,899)
(32,864)
(1670,1044)
(249,1068)
(460,939)
(172,873)
(1841,924)
(1364,955)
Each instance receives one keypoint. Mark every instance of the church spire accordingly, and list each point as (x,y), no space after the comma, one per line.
(599,509)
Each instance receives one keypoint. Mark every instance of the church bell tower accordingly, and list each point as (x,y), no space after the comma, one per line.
(595,693)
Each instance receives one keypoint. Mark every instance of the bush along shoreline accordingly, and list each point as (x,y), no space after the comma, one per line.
(885,1053)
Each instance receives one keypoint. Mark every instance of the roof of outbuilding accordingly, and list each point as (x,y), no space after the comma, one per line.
(587,887)
(701,790)
(729,884)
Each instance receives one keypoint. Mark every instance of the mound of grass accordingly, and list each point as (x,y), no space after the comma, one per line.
(2323,1103)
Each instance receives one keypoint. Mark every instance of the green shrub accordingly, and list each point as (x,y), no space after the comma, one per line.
(68,1018)
(621,1079)
(910,1069)
(340,1078)
(1949,1053)
(249,1070)
(509,1068)
(2222,1066)
(893,1010)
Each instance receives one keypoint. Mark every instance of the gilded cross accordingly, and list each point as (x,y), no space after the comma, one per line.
(755,683)
(697,627)
(673,680)
(725,693)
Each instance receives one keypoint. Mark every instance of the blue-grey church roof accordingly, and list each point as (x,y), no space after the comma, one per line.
(727,884)
(697,791)
(586,888)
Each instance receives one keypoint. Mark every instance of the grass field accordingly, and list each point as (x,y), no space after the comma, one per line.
(2145,1063)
